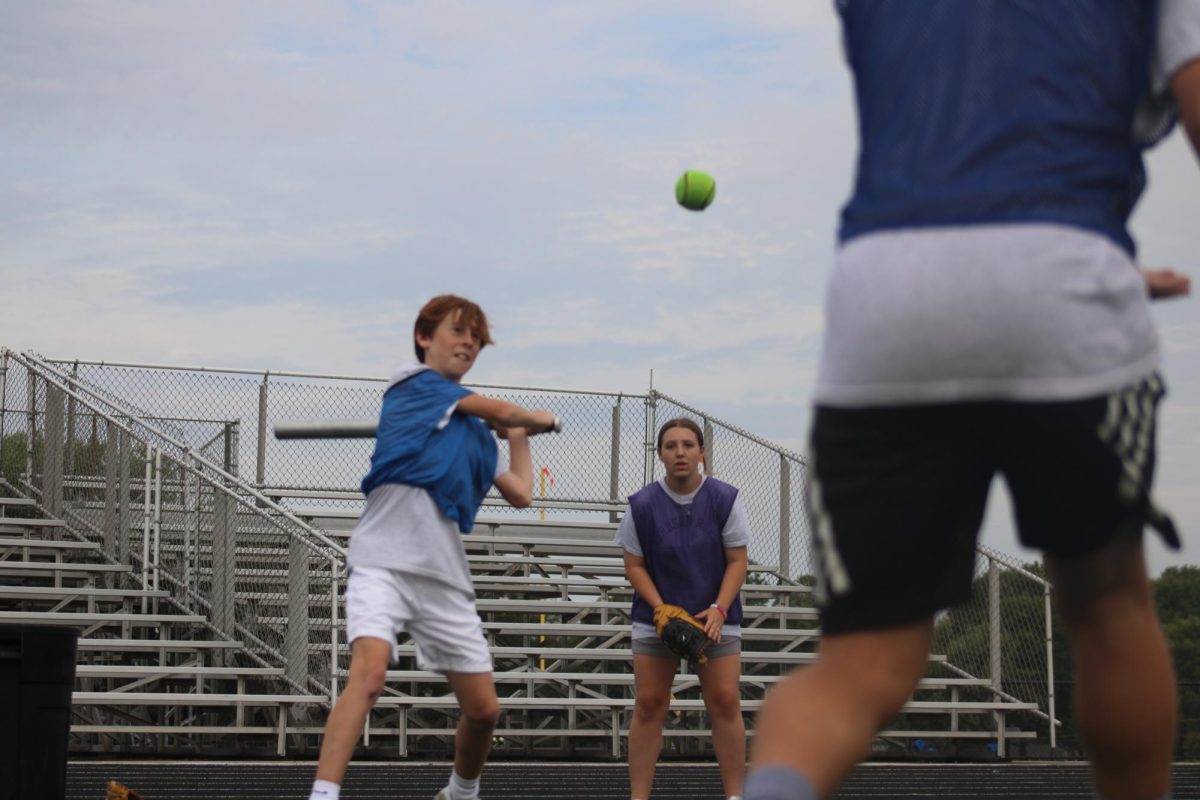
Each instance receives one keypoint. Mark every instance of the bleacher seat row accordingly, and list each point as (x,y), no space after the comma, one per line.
(154,674)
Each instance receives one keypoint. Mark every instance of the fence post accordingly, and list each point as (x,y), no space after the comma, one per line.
(651,424)
(260,465)
(232,437)
(228,563)
(709,448)
(334,579)
(147,506)
(156,558)
(785,517)
(124,519)
(3,401)
(1050,702)
(112,467)
(994,645)
(69,460)
(52,453)
(191,543)
(614,472)
(31,411)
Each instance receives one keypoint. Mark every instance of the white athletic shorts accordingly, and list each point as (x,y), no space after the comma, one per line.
(440,618)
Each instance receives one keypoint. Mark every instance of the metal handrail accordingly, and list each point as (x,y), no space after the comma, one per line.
(220,480)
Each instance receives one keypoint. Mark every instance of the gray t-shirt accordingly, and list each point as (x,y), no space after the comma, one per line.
(993,312)
(999,312)
(736,533)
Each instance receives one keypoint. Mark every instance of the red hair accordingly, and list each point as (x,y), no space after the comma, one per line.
(446,305)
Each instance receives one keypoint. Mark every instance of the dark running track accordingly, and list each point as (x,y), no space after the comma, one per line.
(203,780)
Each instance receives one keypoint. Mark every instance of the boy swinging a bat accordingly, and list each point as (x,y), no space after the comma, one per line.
(435,459)
(685,539)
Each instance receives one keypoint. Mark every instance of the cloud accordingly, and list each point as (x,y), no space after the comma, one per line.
(113,314)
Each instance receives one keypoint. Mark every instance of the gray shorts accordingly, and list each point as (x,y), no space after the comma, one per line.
(728,646)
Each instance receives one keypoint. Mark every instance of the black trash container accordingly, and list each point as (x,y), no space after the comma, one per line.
(37,673)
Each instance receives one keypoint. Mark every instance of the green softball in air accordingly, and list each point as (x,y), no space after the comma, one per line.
(695,190)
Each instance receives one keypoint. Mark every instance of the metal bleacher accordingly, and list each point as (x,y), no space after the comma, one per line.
(210,616)
(556,606)
(148,673)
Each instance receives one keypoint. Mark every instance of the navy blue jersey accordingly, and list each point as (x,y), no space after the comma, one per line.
(995,111)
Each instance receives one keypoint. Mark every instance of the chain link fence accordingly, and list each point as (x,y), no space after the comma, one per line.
(211,428)
(606,453)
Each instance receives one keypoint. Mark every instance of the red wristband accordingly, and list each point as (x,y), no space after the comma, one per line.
(724,616)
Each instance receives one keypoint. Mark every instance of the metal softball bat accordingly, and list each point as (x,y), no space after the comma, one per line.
(345,429)
(327,429)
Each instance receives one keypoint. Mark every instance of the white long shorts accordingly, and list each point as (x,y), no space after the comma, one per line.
(442,620)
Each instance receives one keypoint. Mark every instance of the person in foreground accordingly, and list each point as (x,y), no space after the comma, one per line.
(986,315)
(684,541)
(435,459)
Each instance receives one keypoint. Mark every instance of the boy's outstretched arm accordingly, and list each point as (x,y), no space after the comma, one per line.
(502,414)
(516,485)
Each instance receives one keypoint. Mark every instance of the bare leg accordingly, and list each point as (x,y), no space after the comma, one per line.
(1125,694)
(722,697)
(369,659)
(859,682)
(652,684)
(476,693)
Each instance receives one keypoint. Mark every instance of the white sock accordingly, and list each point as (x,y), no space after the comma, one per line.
(325,790)
(461,788)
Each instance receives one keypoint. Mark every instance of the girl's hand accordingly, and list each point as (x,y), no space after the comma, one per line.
(712,620)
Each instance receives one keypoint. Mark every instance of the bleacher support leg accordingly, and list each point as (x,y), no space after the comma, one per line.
(223,565)
(616,733)
(281,742)
(296,635)
(403,730)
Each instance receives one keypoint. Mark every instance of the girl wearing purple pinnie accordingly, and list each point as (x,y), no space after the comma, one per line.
(685,538)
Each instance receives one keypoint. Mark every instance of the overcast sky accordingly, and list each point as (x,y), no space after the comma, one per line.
(281,185)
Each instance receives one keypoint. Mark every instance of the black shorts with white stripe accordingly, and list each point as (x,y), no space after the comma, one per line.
(897,494)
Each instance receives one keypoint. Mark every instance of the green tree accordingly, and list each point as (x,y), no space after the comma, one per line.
(1177,593)
(14,447)
(963,636)
(1177,597)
